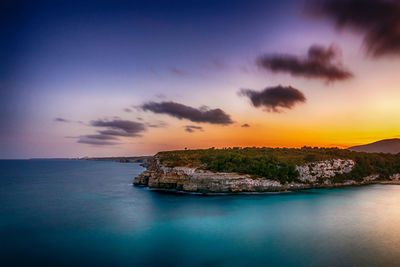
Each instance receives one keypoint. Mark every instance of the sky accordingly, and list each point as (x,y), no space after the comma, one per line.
(126,78)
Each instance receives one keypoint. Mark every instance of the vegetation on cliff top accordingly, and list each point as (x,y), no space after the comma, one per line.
(279,163)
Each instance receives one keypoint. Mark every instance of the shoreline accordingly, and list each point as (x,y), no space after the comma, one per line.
(178,186)
(335,186)
(316,175)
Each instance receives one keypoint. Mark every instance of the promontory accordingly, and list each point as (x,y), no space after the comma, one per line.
(236,170)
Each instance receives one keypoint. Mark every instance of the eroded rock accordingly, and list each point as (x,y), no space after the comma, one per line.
(312,172)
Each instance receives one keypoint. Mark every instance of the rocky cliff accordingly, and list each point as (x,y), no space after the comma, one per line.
(312,175)
(324,170)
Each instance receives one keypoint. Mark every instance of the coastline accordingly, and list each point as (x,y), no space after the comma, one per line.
(283,191)
(195,180)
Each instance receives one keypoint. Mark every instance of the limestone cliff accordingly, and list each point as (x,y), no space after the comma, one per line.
(324,170)
(312,175)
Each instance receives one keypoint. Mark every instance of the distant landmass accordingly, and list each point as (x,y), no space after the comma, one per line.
(384,146)
(263,169)
(141,159)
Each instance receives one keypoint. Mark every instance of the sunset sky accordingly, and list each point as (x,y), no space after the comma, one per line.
(125,78)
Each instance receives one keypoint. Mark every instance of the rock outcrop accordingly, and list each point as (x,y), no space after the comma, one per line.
(395,177)
(315,171)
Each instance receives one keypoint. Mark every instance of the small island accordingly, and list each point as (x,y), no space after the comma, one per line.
(237,170)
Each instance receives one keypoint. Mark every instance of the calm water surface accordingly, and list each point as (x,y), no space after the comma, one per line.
(55,212)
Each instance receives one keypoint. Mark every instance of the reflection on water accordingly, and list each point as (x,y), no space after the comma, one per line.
(84,212)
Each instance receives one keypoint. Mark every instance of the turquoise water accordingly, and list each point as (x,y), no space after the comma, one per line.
(55,212)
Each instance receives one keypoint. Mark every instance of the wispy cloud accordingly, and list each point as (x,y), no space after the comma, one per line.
(177,71)
(245,125)
(320,62)
(181,111)
(58,119)
(157,124)
(215,65)
(274,99)
(161,96)
(193,128)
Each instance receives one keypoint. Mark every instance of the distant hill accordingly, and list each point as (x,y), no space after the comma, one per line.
(384,146)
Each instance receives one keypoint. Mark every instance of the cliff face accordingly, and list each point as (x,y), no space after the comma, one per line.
(312,175)
(324,170)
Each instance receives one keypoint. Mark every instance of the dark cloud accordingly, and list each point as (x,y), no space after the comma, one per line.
(245,125)
(58,119)
(120,127)
(113,132)
(193,128)
(127,110)
(274,99)
(320,62)
(114,129)
(180,111)
(177,71)
(99,137)
(96,142)
(377,20)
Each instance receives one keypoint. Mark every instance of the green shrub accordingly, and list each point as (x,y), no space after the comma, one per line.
(279,163)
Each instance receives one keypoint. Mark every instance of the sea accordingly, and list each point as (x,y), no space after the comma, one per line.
(88,213)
